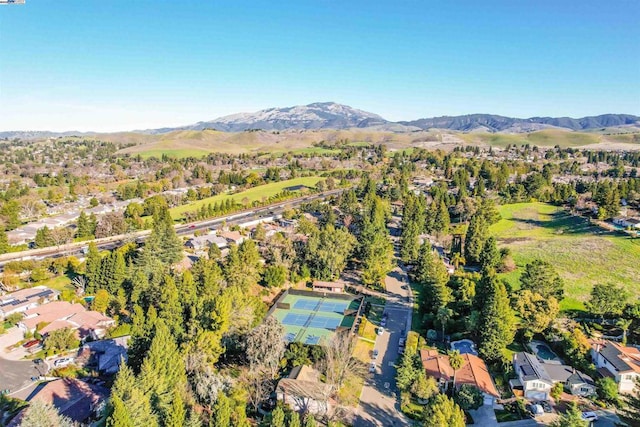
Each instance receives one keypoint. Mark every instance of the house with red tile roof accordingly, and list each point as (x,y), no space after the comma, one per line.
(473,372)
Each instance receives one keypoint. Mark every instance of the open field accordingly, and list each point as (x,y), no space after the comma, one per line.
(546,138)
(252,194)
(582,254)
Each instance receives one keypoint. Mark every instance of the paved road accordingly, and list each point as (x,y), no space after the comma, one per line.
(379,403)
(15,374)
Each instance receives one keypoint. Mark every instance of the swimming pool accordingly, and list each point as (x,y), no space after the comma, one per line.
(464,347)
(544,352)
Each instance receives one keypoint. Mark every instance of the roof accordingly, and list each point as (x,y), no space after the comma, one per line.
(473,372)
(56,310)
(558,372)
(320,284)
(207,240)
(232,235)
(73,398)
(303,381)
(580,378)
(530,368)
(623,359)
(24,297)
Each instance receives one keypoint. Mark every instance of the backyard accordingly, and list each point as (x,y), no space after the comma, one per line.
(581,253)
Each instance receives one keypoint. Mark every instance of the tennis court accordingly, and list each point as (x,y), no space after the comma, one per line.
(310,319)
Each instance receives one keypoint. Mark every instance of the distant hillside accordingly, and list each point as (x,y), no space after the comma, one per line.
(494,123)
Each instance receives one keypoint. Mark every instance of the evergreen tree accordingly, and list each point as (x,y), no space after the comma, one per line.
(242,266)
(294,419)
(177,412)
(572,418)
(163,244)
(163,370)
(43,238)
(497,321)
(413,222)
(309,421)
(541,278)
(432,274)
(442,411)
(631,409)
(92,269)
(379,260)
(221,412)
(277,417)
(490,255)
(170,309)
(214,252)
(442,220)
(4,242)
(83,226)
(475,238)
(128,402)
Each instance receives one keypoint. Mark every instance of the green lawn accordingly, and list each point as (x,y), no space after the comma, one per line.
(178,153)
(582,254)
(252,194)
(547,137)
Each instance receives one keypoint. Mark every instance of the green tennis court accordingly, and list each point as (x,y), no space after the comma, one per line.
(311,319)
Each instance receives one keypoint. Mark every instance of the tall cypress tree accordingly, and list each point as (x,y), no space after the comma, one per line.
(129,403)
(83,226)
(92,269)
(475,238)
(497,322)
(221,411)
(432,274)
(163,244)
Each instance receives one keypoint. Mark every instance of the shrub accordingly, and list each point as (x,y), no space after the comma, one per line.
(469,397)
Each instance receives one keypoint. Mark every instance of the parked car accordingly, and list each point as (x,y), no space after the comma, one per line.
(380,330)
(37,361)
(590,416)
(32,343)
(372,368)
(402,342)
(383,322)
(535,410)
(545,405)
(374,355)
(65,361)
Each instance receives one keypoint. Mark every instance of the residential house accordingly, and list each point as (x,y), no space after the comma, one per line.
(574,381)
(105,356)
(203,242)
(77,400)
(232,237)
(627,222)
(618,362)
(25,299)
(473,372)
(61,314)
(334,287)
(303,391)
(533,379)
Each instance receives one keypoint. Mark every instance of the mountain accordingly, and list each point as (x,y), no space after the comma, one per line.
(319,115)
(494,123)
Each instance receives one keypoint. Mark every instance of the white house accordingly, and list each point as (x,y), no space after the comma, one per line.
(532,377)
(617,362)
(627,222)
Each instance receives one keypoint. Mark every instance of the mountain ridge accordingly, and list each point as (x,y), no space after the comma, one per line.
(331,115)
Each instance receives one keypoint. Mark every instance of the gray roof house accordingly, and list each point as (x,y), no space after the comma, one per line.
(532,376)
(574,381)
(203,242)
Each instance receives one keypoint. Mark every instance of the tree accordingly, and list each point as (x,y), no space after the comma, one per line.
(40,414)
(556,391)
(456,361)
(379,260)
(442,220)
(536,311)
(540,277)
(413,221)
(60,340)
(409,370)
(630,411)
(242,267)
(490,256)
(43,237)
(221,412)
(128,403)
(265,346)
(497,321)
(624,324)
(339,361)
(607,390)
(309,421)
(274,276)
(163,243)
(100,301)
(442,411)
(424,387)
(476,235)
(328,250)
(443,315)
(4,242)
(92,269)
(83,226)
(572,418)
(607,299)
(432,274)
(469,397)
(293,419)
(177,413)
(214,252)
(277,417)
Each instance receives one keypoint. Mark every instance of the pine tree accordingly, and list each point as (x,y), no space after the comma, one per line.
(171,307)
(120,416)
(432,274)
(442,411)
(309,421)
(83,226)
(4,242)
(92,269)
(163,244)
(497,320)
(475,238)
(129,402)
(294,419)
(221,411)
(177,412)
(490,256)
(413,222)
(163,370)
(277,417)
(43,237)
(442,220)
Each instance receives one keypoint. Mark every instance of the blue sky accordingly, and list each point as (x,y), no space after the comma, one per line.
(121,65)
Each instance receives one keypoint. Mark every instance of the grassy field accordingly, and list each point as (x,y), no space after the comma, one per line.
(252,194)
(547,137)
(582,254)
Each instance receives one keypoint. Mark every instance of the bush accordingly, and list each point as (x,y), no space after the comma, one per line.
(607,390)
(274,276)
(469,397)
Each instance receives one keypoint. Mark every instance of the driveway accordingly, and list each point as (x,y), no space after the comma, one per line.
(379,402)
(15,375)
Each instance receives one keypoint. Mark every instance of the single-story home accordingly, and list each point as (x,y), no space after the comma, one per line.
(203,242)
(232,236)
(62,314)
(303,391)
(627,222)
(618,362)
(335,287)
(574,381)
(473,372)
(25,299)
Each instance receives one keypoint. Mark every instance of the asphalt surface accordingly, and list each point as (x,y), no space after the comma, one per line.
(15,374)
(380,400)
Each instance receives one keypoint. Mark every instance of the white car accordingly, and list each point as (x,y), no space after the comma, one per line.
(63,362)
(372,368)
(380,330)
(590,416)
